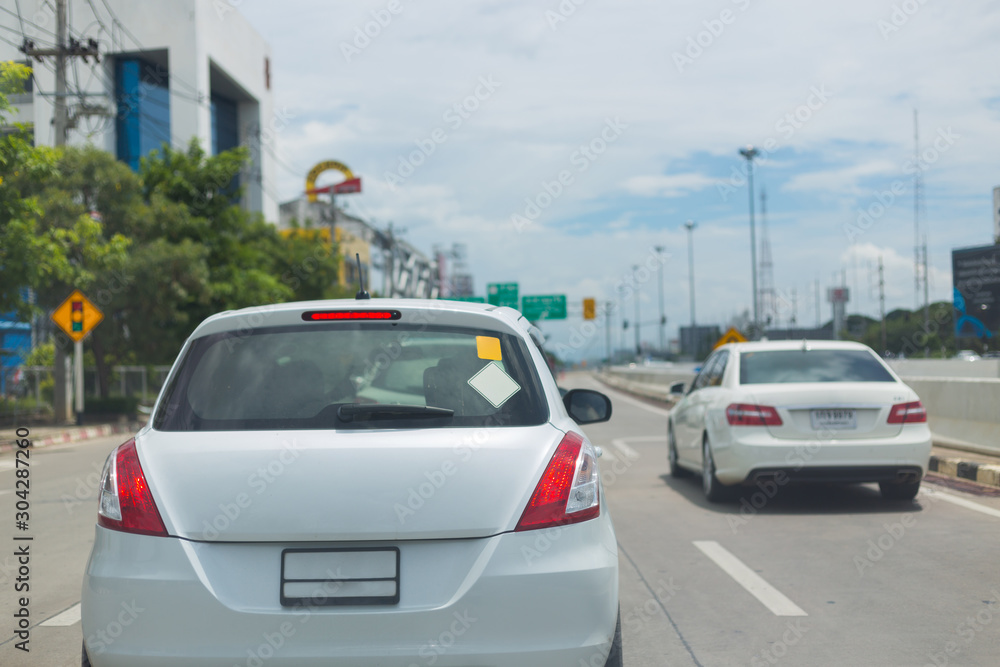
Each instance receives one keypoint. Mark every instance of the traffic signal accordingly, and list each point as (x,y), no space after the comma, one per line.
(589,309)
(76,315)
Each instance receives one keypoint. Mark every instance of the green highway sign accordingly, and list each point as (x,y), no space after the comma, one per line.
(550,307)
(502,294)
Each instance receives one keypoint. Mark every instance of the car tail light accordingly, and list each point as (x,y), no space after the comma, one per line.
(748,414)
(568,491)
(126,503)
(908,413)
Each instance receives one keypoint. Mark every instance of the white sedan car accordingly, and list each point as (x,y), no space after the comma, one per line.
(357,482)
(771,413)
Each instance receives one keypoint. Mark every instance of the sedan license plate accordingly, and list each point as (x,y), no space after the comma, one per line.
(339,576)
(841,419)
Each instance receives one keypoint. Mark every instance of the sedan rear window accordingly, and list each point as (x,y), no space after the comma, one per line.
(351,376)
(780,366)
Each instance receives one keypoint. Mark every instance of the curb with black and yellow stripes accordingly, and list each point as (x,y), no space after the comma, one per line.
(981,473)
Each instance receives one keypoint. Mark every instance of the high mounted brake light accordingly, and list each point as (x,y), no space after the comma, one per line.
(325,315)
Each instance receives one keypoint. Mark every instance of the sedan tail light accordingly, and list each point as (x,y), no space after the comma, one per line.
(568,491)
(908,413)
(126,503)
(748,414)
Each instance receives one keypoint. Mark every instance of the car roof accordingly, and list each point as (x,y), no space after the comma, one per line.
(756,346)
(425,311)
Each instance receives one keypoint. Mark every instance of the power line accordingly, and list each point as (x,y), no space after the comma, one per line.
(17,6)
(19,33)
(195,95)
(97,16)
(121,26)
(23,20)
(16,46)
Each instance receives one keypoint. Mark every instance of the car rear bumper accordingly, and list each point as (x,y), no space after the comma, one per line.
(901,458)
(836,474)
(547,597)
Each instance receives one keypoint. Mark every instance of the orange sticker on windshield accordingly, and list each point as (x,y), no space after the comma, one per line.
(488,347)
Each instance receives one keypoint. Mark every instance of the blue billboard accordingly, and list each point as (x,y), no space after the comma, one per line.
(976,282)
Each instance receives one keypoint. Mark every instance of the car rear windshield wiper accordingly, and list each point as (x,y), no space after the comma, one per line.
(367,411)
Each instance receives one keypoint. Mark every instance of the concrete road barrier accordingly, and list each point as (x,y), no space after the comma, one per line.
(962,411)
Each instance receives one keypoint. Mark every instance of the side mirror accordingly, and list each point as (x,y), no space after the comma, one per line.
(677,388)
(587,406)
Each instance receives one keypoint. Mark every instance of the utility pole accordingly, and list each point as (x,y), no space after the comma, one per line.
(918,183)
(63,389)
(927,297)
(638,346)
(607,330)
(881,304)
(65,47)
(621,309)
(61,115)
(663,317)
(818,317)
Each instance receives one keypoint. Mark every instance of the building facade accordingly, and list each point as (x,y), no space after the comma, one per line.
(168,71)
(403,270)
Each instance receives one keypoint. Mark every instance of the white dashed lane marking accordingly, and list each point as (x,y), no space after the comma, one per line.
(69,617)
(768,595)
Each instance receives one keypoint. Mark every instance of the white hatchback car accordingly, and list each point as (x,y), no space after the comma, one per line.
(378,482)
(770,413)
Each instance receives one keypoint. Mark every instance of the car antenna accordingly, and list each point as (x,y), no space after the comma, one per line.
(362,294)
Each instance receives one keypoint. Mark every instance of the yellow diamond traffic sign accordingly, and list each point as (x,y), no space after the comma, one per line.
(77,316)
(731,336)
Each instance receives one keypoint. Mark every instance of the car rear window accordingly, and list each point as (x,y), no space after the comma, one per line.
(779,366)
(297,377)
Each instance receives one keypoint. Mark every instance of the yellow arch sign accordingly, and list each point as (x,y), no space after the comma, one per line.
(319,169)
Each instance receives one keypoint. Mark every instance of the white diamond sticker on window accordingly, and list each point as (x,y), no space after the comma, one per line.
(494,384)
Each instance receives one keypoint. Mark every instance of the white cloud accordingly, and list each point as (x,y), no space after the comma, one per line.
(754,81)
(842,180)
(674,185)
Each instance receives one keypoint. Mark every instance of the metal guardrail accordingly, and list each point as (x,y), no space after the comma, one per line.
(27,396)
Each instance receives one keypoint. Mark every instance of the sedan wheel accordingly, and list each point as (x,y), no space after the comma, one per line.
(897,491)
(675,469)
(714,490)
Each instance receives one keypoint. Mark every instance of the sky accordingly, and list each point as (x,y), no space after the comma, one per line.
(563,142)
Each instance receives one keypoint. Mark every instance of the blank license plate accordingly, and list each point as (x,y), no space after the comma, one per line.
(349,576)
(839,419)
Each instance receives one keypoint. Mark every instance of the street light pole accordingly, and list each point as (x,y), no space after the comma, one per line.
(663,318)
(621,309)
(638,347)
(750,153)
(607,330)
(690,225)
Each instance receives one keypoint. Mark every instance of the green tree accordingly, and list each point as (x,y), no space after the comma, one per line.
(907,335)
(29,255)
(249,261)
(161,250)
